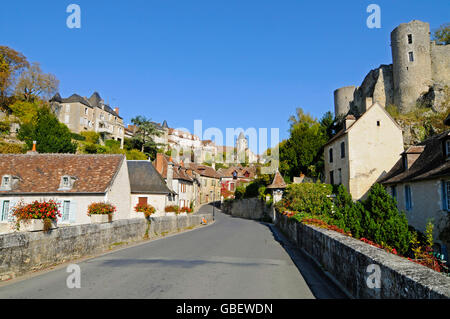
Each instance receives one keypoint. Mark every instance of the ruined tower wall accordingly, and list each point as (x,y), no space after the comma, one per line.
(411,56)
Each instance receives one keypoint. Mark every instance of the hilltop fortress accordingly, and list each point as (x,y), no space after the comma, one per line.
(418,76)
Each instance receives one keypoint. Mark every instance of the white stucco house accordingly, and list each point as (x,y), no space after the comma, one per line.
(75,181)
(363,151)
(148,187)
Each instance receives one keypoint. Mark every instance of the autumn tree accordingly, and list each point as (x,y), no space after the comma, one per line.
(442,35)
(11,63)
(33,83)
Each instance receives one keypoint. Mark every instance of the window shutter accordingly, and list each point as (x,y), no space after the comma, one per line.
(73,212)
(444,195)
(12,204)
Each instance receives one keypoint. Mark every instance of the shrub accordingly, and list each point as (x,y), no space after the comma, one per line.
(239,192)
(147,209)
(101,209)
(135,155)
(91,137)
(5,127)
(11,148)
(112,144)
(186,210)
(78,137)
(311,198)
(382,222)
(348,215)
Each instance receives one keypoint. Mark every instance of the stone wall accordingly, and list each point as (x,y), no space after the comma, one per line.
(23,252)
(347,260)
(251,208)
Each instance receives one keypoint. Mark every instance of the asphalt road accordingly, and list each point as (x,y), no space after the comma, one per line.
(232,258)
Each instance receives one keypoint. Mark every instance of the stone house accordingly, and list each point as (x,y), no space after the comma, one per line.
(420,182)
(235,175)
(75,181)
(147,187)
(209,182)
(179,179)
(363,151)
(83,114)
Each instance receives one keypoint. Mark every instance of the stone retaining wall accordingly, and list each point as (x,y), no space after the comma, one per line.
(347,260)
(23,252)
(251,208)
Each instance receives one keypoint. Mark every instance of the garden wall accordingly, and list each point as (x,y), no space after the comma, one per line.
(23,252)
(347,259)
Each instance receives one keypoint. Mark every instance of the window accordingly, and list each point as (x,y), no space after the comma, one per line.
(65,215)
(66,181)
(331,155)
(445,195)
(394,191)
(6,182)
(340,175)
(378,123)
(67,119)
(5,210)
(343,150)
(67,108)
(85,111)
(411,56)
(408,198)
(331,177)
(409,38)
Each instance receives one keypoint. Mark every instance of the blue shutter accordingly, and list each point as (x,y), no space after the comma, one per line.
(73,212)
(444,195)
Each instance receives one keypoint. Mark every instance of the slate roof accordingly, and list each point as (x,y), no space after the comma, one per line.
(144,179)
(430,164)
(41,173)
(94,101)
(278,182)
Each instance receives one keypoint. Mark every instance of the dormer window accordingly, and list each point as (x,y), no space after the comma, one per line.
(66,183)
(6,182)
(447,148)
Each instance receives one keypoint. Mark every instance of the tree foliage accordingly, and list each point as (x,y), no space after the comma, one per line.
(50,135)
(11,63)
(146,130)
(442,35)
(33,83)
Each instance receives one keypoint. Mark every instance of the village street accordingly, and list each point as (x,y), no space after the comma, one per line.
(232,258)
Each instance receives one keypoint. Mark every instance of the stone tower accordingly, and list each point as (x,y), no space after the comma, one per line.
(411,56)
(343,98)
(241,144)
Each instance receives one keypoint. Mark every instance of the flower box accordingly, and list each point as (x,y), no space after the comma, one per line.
(31,225)
(99,218)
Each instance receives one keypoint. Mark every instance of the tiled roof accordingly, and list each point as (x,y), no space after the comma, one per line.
(203,170)
(241,171)
(430,164)
(179,172)
(144,179)
(41,173)
(278,182)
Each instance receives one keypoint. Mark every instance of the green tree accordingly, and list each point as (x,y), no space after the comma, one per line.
(50,135)
(442,35)
(348,214)
(25,111)
(146,130)
(382,222)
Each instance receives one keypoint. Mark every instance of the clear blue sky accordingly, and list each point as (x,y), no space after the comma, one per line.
(233,63)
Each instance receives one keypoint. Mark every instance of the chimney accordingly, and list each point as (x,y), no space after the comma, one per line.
(349,120)
(213,165)
(33,151)
(116,110)
(159,162)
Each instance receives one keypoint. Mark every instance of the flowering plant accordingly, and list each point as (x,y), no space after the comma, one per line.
(172,209)
(37,210)
(185,210)
(101,209)
(147,209)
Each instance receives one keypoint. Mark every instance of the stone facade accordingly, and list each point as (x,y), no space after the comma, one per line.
(363,151)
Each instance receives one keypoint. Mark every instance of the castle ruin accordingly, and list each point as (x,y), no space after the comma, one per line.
(420,71)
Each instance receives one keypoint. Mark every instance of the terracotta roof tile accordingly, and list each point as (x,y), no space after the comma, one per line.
(41,173)
(278,181)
